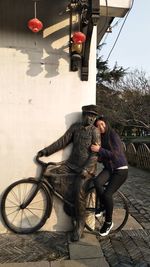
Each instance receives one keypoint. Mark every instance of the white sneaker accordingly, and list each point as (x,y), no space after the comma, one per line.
(106,228)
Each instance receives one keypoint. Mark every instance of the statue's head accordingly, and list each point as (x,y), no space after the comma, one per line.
(89,114)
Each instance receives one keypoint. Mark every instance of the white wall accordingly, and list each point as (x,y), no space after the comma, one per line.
(39,99)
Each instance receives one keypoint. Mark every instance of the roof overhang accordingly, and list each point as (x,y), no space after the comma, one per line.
(114,8)
(109,10)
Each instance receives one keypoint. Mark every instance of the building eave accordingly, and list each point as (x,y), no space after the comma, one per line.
(109,10)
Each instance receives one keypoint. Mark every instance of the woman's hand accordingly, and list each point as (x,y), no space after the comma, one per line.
(95,148)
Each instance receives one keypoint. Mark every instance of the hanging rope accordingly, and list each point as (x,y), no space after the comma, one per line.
(35,9)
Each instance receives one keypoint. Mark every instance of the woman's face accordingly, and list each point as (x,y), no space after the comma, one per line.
(101,126)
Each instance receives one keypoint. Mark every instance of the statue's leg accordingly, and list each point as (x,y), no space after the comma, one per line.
(62,178)
(72,187)
(80,208)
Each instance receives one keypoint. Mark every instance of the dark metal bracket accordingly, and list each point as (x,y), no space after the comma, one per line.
(89,13)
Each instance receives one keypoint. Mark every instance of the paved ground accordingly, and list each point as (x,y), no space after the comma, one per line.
(130,247)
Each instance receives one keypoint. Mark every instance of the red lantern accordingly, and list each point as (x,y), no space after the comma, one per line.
(79,37)
(35,25)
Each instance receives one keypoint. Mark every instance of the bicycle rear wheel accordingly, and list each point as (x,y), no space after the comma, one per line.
(120,213)
(31,218)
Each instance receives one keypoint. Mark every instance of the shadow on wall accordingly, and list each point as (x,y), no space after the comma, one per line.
(69,120)
(44,49)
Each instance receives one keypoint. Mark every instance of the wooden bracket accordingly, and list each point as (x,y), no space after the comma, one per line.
(88,11)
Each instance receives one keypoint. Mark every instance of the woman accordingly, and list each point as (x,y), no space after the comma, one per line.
(115,170)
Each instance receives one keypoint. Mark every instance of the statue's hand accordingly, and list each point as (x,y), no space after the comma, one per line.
(40,153)
(84,174)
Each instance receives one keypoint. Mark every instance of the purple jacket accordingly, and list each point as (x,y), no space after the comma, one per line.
(112,156)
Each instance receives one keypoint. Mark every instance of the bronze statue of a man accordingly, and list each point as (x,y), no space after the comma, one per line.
(81,163)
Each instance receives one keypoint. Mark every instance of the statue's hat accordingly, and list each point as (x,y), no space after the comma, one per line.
(91,109)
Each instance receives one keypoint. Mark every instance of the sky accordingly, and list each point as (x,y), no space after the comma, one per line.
(132,49)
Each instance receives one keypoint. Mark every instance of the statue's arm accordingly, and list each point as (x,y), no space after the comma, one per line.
(61,143)
(90,166)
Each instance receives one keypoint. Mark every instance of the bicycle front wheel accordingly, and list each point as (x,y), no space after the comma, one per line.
(31,218)
(120,213)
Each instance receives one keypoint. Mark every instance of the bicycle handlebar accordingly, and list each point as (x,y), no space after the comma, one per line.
(44,164)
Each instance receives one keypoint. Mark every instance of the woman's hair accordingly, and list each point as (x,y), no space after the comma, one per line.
(105,137)
(103,118)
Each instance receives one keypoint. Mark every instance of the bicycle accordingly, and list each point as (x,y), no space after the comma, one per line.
(26,205)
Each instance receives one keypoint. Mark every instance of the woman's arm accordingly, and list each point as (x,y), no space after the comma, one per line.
(106,153)
(102,152)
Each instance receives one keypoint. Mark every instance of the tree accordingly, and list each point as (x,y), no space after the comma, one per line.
(135,88)
(104,73)
(126,101)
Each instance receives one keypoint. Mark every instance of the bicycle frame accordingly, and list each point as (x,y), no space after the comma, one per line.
(50,189)
(41,180)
